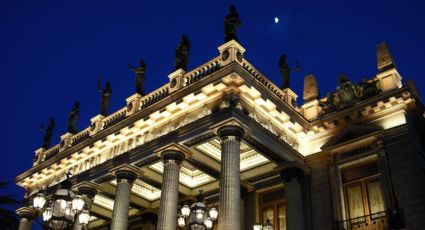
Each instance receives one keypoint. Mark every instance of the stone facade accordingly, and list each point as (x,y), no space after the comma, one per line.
(351,160)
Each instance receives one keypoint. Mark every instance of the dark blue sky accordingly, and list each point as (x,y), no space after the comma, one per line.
(52,51)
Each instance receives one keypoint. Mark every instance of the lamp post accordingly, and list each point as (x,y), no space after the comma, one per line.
(266,226)
(60,210)
(200,218)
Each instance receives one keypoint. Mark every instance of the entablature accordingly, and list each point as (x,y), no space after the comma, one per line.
(166,111)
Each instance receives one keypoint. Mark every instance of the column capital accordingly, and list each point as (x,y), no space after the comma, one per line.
(26,212)
(125,175)
(231,130)
(289,170)
(127,172)
(173,148)
(88,189)
(172,155)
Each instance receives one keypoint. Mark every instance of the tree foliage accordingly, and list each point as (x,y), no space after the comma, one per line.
(8,218)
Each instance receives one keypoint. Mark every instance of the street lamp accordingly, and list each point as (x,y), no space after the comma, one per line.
(60,210)
(266,226)
(200,218)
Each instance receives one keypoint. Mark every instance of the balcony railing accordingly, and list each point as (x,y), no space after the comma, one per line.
(376,221)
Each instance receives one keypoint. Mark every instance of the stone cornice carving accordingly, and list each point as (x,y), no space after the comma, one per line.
(158,110)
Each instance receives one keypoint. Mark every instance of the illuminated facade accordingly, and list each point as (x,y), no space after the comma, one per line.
(351,160)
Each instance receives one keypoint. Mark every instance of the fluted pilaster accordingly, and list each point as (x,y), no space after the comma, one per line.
(125,181)
(167,219)
(294,201)
(230,191)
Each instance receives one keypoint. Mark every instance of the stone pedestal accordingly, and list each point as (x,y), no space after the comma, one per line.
(39,156)
(125,181)
(96,124)
(290,97)
(230,189)
(311,109)
(231,51)
(65,141)
(167,219)
(389,79)
(133,104)
(176,80)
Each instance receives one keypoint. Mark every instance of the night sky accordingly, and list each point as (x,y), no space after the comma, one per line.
(51,52)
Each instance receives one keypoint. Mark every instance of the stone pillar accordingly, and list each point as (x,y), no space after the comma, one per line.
(27,216)
(249,209)
(167,219)
(125,181)
(230,189)
(294,198)
(88,194)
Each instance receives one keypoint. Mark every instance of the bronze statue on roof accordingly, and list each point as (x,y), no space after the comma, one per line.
(72,119)
(182,54)
(231,24)
(285,71)
(140,76)
(106,95)
(48,132)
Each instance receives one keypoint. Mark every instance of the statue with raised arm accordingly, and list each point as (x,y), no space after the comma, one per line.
(182,54)
(285,71)
(231,24)
(140,76)
(72,118)
(48,132)
(106,95)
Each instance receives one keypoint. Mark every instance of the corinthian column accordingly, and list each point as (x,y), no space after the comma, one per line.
(88,195)
(125,181)
(230,190)
(167,219)
(27,216)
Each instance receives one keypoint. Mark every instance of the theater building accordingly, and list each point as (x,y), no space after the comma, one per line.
(351,160)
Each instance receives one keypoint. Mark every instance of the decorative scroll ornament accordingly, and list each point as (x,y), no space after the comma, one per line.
(348,93)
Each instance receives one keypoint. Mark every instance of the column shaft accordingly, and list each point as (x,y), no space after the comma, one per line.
(27,215)
(88,194)
(77,225)
(294,205)
(230,189)
(169,197)
(25,224)
(167,219)
(122,200)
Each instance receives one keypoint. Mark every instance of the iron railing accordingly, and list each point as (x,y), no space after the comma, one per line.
(375,221)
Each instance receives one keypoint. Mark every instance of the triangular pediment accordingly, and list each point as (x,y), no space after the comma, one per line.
(351,133)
